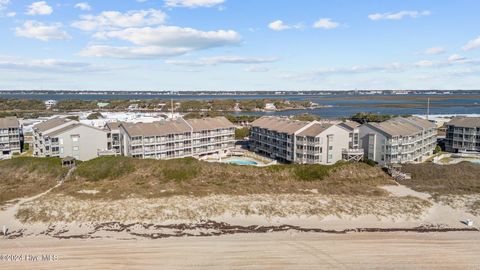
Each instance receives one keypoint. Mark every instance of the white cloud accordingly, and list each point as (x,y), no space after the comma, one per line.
(278,25)
(453,60)
(326,23)
(424,63)
(216,60)
(435,50)
(439,66)
(456,58)
(174,36)
(472,44)
(83,6)
(309,75)
(160,41)
(115,19)
(41,31)
(4,4)
(131,52)
(257,68)
(11,14)
(48,65)
(398,15)
(193,3)
(39,8)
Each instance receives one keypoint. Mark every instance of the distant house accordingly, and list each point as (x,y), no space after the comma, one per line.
(102,104)
(398,140)
(50,104)
(133,107)
(61,137)
(463,134)
(10,137)
(270,107)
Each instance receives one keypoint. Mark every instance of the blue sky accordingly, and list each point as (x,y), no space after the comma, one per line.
(239,44)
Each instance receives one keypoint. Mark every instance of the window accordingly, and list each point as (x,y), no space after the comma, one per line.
(75,148)
(75,138)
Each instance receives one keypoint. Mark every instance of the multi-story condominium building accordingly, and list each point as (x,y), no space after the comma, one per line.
(298,141)
(113,135)
(59,137)
(463,134)
(177,138)
(399,140)
(354,129)
(10,137)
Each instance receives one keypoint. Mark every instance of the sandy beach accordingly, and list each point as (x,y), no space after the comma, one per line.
(382,237)
(284,250)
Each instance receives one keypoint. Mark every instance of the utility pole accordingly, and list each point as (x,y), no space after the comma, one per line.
(171,104)
(428,108)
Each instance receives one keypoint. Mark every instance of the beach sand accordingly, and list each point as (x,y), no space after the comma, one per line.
(241,243)
(284,250)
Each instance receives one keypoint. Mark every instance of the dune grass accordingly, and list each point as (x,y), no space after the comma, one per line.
(27,176)
(121,177)
(456,179)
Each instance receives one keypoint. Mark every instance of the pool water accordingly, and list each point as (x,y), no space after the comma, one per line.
(240,162)
(476,161)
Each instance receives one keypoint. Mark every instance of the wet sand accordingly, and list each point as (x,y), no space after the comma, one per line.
(283,250)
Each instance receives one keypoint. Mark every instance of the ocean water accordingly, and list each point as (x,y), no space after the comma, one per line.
(339,108)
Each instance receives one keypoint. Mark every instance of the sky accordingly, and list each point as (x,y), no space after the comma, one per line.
(222,45)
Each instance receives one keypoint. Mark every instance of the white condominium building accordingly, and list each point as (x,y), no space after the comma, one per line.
(399,140)
(10,137)
(113,135)
(61,137)
(177,138)
(299,141)
(463,135)
(354,129)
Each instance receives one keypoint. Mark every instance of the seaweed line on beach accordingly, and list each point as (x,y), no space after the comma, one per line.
(214,228)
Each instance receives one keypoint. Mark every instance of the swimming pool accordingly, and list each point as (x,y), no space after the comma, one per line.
(241,162)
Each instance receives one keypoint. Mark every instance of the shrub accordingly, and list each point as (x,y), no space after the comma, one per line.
(95,115)
(369,162)
(311,172)
(179,169)
(105,168)
(51,166)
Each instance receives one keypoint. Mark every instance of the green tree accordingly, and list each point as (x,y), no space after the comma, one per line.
(241,133)
(95,115)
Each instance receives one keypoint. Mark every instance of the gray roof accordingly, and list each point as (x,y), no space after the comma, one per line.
(177,126)
(52,123)
(468,122)
(113,125)
(156,128)
(71,126)
(279,124)
(401,126)
(350,125)
(314,130)
(9,122)
(210,123)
